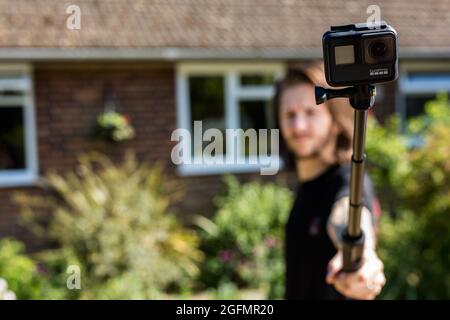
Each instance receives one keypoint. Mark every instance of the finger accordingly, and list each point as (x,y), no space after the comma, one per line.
(379,283)
(360,291)
(335,264)
(355,293)
(345,279)
(369,297)
(332,276)
(366,290)
(370,269)
(373,265)
(355,285)
(376,281)
(349,279)
(334,268)
(345,285)
(381,279)
(342,288)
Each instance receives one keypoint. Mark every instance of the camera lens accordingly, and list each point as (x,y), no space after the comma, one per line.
(378,49)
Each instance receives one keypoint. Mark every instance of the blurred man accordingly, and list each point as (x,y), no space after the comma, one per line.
(317,142)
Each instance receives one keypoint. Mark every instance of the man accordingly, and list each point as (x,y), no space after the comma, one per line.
(317,141)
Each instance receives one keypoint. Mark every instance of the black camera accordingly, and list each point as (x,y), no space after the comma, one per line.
(357,54)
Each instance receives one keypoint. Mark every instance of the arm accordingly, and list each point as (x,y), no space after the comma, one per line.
(367,282)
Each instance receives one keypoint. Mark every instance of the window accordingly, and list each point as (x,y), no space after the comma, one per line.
(226,96)
(18,163)
(256,114)
(252,79)
(207,103)
(420,87)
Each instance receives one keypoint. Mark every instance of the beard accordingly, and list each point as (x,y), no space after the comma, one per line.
(319,149)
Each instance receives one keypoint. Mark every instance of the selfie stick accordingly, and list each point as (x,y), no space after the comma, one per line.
(362,98)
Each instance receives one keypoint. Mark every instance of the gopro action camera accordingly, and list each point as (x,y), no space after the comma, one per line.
(357,54)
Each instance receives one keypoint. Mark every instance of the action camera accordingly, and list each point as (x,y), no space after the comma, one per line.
(358,54)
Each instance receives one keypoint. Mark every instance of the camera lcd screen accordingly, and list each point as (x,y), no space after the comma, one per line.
(344,54)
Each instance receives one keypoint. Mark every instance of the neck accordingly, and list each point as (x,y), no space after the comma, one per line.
(308,169)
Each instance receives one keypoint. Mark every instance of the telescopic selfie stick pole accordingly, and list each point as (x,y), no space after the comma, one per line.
(362,98)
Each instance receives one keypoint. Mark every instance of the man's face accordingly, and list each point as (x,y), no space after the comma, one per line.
(306,127)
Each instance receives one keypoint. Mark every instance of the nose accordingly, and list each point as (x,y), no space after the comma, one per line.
(300,124)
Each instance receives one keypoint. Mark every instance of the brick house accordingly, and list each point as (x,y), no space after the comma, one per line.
(164,61)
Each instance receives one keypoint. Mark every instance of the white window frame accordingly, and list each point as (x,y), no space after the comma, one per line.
(233,93)
(28,175)
(406,88)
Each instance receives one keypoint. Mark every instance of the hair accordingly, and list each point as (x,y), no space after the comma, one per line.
(339,108)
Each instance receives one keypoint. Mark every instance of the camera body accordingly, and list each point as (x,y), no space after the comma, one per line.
(357,54)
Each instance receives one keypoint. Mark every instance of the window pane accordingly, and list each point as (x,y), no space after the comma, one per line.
(256,115)
(257,79)
(436,79)
(415,104)
(11,93)
(207,103)
(12,147)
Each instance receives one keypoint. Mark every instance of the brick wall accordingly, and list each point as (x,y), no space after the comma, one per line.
(68,99)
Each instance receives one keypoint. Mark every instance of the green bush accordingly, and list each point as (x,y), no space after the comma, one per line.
(415,242)
(416,246)
(22,273)
(243,242)
(387,161)
(113,221)
(18,270)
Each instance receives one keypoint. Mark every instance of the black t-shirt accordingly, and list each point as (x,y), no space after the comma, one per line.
(308,248)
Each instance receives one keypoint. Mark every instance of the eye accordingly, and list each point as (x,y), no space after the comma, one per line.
(290,115)
(311,112)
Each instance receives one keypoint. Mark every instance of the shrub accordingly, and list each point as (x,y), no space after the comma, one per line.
(113,221)
(415,243)
(243,242)
(22,273)
(416,246)
(387,161)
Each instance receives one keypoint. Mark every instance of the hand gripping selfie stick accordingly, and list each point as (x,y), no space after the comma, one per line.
(362,98)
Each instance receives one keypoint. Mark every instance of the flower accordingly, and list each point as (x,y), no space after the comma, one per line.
(6,294)
(225,255)
(3,286)
(270,241)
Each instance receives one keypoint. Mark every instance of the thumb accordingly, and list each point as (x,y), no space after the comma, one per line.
(334,267)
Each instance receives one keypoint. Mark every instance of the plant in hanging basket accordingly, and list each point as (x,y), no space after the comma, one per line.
(114,126)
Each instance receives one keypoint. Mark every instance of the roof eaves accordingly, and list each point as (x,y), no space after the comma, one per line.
(176,54)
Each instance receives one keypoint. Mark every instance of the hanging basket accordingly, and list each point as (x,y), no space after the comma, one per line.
(114,126)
